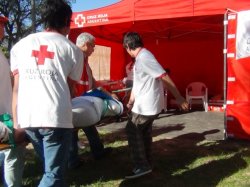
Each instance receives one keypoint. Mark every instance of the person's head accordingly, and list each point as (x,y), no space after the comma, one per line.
(86,42)
(56,15)
(3,21)
(132,41)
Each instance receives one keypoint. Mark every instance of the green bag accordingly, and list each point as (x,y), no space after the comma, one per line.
(7,120)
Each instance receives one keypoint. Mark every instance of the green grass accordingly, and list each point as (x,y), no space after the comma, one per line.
(181,161)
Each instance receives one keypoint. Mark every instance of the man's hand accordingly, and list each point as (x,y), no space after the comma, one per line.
(4,132)
(124,80)
(115,96)
(129,106)
(183,104)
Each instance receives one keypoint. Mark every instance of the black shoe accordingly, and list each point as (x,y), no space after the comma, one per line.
(138,173)
(106,151)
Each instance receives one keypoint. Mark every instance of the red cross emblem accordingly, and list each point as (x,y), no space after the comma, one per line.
(42,54)
(80,20)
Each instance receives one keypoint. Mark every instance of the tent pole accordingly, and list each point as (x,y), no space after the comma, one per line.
(225,73)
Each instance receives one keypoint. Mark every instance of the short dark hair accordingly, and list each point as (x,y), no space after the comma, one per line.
(132,40)
(56,14)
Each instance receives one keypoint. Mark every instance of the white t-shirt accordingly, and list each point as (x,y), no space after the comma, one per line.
(147,88)
(5,85)
(44,61)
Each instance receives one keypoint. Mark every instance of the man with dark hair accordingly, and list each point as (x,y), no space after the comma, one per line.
(146,102)
(41,64)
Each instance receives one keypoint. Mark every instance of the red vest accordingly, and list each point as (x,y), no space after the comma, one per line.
(82,86)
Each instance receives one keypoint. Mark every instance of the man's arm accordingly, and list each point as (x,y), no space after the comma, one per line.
(169,84)
(72,87)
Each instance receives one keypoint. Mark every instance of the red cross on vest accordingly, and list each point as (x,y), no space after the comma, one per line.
(42,54)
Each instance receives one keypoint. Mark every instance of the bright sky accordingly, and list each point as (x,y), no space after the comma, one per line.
(81,5)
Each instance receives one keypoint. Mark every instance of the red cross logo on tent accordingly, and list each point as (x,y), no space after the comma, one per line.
(42,54)
(80,20)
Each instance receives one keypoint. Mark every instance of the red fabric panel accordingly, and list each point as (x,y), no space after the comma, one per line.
(190,61)
(238,92)
(160,9)
(133,10)
(238,125)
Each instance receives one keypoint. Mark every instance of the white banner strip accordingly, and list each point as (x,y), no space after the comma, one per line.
(231,17)
(230,55)
(230,102)
(230,36)
(231,79)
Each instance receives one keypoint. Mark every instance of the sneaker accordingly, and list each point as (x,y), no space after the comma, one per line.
(138,172)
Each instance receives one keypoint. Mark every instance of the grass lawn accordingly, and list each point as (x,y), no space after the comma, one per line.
(186,160)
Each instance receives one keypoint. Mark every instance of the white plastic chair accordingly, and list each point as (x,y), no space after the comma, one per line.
(197,91)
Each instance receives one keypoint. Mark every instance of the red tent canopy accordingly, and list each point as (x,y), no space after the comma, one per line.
(185,36)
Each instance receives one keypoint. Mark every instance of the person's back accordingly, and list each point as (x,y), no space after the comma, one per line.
(41,64)
(46,79)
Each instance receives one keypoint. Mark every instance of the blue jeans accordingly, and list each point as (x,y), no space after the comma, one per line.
(52,146)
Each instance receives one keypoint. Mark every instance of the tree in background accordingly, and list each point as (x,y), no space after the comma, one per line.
(24,19)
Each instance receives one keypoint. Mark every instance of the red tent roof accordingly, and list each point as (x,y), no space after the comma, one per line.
(164,18)
(184,35)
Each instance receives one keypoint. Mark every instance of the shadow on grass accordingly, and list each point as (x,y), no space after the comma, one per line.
(120,134)
(174,159)
(186,160)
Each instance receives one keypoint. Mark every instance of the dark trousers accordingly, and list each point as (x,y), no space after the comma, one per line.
(139,133)
(95,143)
